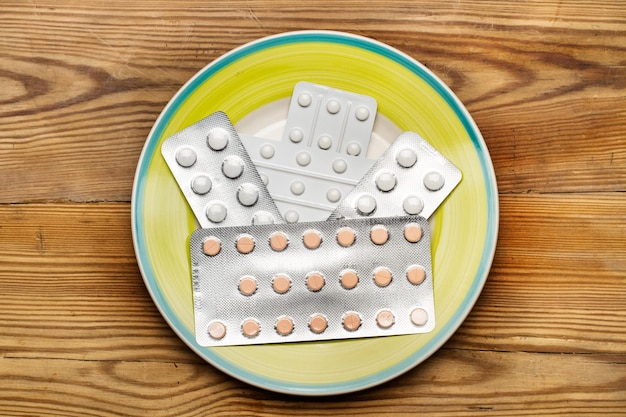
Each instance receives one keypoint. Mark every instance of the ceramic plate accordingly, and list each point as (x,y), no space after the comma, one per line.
(253,84)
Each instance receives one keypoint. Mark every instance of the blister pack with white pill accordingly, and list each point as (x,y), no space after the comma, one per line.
(217,176)
(340,279)
(411,178)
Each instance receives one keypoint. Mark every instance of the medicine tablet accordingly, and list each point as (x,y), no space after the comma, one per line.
(415,274)
(186,157)
(201,184)
(385,181)
(248,194)
(247,285)
(346,237)
(434,181)
(267,151)
(362,113)
(340,166)
(304,99)
(279,241)
(245,244)
(315,281)
(379,234)
(297,187)
(217,139)
(312,239)
(265,179)
(353,149)
(262,217)
(333,106)
(217,212)
(296,135)
(412,205)
(324,142)
(366,204)
(382,276)
(406,158)
(413,232)
(419,316)
(291,216)
(250,327)
(211,246)
(281,283)
(318,323)
(333,195)
(303,158)
(232,166)
(349,279)
(385,319)
(351,321)
(284,325)
(217,330)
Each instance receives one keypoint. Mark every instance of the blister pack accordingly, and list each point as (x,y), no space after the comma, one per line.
(411,178)
(340,279)
(217,176)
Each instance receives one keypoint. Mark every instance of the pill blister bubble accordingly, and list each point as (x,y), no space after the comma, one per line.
(362,113)
(304,99)
(353,149)
(366,204)
(296,135)
(201,184)
(248,194)
(333,195)
(325,142)
(232,166)
(250,328)
(297,187)
(385,181)
(318,323)
(303,158)
(419,316)
(412,205)
(216,212)
(218,138)
(434,181)
(216,330)
(186,157)
(291,216)
(267,151)
(333,106)
(406,158)
(263,217)
(247,285)
(385,319)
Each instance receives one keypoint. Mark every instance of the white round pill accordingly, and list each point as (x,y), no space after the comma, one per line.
(248,194)
(362,113)
(333,106)
(291,216)
(324,142)
(262,217)
(340,166)
(366,204)
(385,181)
(267,151)
(297,187)
(232,166)
(333,195)
(296,135)
(303,158)
(304,99)
(201,184)
(265,179)
(216,212)
(406,158)
(433,181)
(353,149)
(413,205)
(217,139)
(186,157)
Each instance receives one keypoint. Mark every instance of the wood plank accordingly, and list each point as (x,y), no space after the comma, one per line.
(82,86)
(451,383)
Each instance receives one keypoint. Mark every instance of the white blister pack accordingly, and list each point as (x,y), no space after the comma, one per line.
(411,178)
(341,279)
(216,175)
(306,184)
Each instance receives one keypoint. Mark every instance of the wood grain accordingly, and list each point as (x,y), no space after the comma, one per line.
(82,85)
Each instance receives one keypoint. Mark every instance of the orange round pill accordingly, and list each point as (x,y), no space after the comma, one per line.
(217,330)
(382,276)
(247,285)
(318,323)
(415,274)
(284,325)
(413,232)
(211,246)
(351,321)
(379,234)
(279,241)
(315,281)
(349,279)
(385,319)
(250,327)
(346,237)
(419,316)
(245,244)
(312,239)
(281,283)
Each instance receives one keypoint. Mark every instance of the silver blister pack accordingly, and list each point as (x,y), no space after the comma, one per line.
(411,178)
(340,279)
(217,176)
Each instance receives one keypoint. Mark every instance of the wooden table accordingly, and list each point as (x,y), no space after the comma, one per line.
(82,84)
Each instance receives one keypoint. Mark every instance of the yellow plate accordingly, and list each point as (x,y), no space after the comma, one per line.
(258,78)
